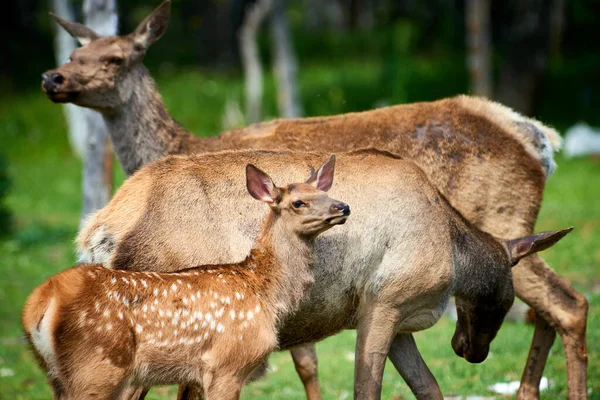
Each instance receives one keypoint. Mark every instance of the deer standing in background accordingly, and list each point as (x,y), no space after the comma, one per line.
(389,273)
(489,162)
(96,330)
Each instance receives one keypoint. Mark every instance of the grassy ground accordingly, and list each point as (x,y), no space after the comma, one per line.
(45,199)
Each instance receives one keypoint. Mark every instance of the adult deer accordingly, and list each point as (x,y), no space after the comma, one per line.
(96,330)
(489,162)
(388,273)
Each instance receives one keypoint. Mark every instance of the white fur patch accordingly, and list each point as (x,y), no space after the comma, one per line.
(42,339)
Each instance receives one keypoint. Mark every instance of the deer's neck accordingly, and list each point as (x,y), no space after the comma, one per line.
(479,264)
(141,129)
(285,261)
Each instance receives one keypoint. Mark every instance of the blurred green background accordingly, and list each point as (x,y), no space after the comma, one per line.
(369,54)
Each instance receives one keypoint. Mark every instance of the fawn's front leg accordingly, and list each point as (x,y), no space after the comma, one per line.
(377,324)
(408,362)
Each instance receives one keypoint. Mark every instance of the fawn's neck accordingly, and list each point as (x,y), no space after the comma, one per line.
(141,129)
(284,259)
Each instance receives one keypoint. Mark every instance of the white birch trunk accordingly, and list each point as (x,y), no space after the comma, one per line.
(252,66)
(285,64)
(101,16)
(64,45)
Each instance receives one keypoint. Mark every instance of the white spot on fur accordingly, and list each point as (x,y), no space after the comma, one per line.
(220,328)
(232,314)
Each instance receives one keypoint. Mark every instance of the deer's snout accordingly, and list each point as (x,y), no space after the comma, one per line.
(52,80)
(341,207)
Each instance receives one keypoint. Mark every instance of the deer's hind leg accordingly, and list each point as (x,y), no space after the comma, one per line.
(565,311)
(405,356)
(305,361)
(95,380)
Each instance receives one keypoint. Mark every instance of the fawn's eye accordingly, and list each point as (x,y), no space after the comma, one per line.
(116,60)
(298,204)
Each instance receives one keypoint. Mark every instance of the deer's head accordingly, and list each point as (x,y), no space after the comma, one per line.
(99,73)
(479,319)
(305,209)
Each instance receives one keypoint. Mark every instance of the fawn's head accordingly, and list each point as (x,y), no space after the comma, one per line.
(480,318)
(304,208)
(98,74)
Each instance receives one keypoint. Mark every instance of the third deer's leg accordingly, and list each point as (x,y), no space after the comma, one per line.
(376,329)
(305,361)
(543,338)
(408,362)
(554,299)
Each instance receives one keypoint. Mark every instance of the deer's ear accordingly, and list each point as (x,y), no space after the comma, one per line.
(522,247)
(82,33)
(260,185)
(154,26)
(324,175)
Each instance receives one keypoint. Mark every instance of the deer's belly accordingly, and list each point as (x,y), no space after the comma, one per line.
(322,314)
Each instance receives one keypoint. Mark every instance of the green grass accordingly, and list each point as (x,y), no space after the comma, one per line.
(45,198)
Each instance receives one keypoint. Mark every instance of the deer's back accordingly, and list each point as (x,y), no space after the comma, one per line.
(489,162)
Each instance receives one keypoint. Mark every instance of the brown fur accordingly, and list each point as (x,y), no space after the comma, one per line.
(489,162)
(209,326)
(406,258)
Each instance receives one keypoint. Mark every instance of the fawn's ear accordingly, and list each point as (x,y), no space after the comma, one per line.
(82,33)
(324,175)
(260,185)
(522,247)
(154,26)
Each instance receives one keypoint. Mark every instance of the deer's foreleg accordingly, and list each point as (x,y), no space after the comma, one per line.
(134,393)
(305,361)
(408,362)
(376,330)
(565,310)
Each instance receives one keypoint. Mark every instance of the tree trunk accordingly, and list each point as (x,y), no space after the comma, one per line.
(99,15)
(285,64)
(255,14)
(477,19)
(527,56)
(64,45)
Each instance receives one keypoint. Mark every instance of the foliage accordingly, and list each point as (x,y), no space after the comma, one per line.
(45,199)
(5,215)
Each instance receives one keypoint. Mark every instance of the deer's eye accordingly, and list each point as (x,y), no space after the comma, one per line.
(116,60)
(298,204)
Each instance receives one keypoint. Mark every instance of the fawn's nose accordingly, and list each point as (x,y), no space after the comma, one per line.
(52,81)
(341,207)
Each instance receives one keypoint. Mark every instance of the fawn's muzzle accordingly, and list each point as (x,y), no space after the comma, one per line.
(341,207)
